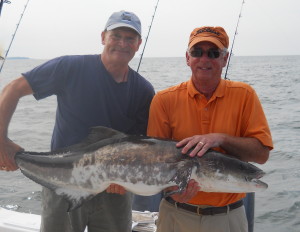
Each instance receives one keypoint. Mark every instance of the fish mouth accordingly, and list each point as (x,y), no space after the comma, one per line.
(260,174)
(255,177)
(255,180)
(257,174)
(259,184)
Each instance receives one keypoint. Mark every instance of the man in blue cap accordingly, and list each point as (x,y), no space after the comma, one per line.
(91,90)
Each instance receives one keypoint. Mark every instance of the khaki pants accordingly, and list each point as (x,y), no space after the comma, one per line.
(178,220)
(105,212)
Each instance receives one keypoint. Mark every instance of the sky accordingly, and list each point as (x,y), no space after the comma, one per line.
(51,28)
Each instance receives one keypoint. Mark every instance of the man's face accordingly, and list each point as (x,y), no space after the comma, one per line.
(120,44)
(205,68)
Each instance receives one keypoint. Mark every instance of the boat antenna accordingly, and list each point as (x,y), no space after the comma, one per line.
(147,36)
(2,3)
(13,36)
(235,33)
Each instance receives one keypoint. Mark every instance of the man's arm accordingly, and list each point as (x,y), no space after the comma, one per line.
(246,149)
(9,99)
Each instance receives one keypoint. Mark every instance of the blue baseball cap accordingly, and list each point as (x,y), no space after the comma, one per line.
(124,19)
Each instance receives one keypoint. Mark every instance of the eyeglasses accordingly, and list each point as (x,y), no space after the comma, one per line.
(127,39)
(212,53)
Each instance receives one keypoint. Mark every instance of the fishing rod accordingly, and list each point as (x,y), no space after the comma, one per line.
(1,6)
(235,33)
(13,36)
(147,37)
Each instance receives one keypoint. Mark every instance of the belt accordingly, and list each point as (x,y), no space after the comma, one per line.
(206,211)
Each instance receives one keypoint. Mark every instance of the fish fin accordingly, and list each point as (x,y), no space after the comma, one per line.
(101,132)
(74,197)
(182,177)
(96,134)
(74,203)
(167,194)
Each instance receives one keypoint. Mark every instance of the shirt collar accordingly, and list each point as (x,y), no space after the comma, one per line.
(219,92)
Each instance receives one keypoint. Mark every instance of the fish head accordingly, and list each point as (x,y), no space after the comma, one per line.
(218,172)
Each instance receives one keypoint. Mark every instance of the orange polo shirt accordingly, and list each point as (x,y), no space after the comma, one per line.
(181,111)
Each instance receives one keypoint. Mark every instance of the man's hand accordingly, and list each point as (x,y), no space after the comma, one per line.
(191,190)
(201,143)
(115,188)
(8,149)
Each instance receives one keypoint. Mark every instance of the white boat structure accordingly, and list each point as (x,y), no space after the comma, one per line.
(13,221)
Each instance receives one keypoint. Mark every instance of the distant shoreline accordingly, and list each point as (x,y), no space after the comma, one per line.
(17,58)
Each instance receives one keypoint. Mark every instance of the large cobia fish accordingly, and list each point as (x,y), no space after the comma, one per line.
(143,165)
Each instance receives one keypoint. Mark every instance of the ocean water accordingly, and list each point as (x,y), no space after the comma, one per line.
(277,82)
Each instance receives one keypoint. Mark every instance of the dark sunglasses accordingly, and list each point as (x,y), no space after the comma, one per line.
(212,53)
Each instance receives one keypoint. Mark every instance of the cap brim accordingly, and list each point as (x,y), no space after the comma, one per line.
(117,25)
(207,39)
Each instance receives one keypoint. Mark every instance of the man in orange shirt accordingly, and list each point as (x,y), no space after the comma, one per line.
(209,112)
